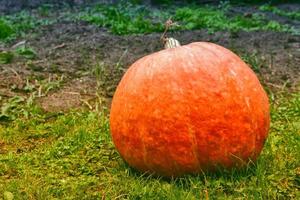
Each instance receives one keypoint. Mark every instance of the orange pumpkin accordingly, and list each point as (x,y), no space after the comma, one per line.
(189,109)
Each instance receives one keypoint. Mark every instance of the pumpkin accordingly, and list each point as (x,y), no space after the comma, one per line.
(189,109)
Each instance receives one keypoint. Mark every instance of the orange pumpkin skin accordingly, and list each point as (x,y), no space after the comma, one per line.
(189,109)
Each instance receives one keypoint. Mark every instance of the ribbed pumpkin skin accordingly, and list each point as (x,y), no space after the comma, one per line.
(189,109)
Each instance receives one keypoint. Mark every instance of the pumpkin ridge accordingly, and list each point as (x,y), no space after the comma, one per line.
(191,132)
(142,133)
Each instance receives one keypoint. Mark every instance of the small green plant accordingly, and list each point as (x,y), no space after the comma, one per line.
(121,18)
(292,15)
(254,62)
(5,29)
(126,18)
(44,10)
(26,52)
(100,73)
(162,1)
(6,57)
(50,84)
(10,109)
(23,106)
(17,25)
(214,20)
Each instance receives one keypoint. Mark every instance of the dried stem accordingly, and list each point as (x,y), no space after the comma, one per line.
(168,24)
(169,42)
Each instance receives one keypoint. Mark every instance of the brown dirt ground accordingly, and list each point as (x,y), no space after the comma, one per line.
(76,50)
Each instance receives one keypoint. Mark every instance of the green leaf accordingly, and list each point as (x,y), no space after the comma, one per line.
(6,57)
(26,52)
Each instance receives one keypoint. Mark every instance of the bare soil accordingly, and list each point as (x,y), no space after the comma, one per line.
(77,50)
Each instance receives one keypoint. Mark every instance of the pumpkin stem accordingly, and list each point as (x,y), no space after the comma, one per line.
(169,42)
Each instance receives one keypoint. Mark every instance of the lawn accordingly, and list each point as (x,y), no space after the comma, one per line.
(71,156)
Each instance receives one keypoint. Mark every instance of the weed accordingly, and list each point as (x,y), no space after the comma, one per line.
(100,74)
(6,57)
(259,2)
(121,19)
(162,1)
(50,84)
(126,18)
(26,52)
(5,29)
(17,25)
(23,106)
(44,10)
(275,10)
(9,107)
(106,77)
(215,19)
(254,62)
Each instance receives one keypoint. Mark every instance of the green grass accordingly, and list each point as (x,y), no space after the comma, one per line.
(26,52)
(17,25)
(123,18)
(213,20)
(5,29)
(71,156)
(128,19)
(12,108)
(292,15)
(6,57)
(216,19)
